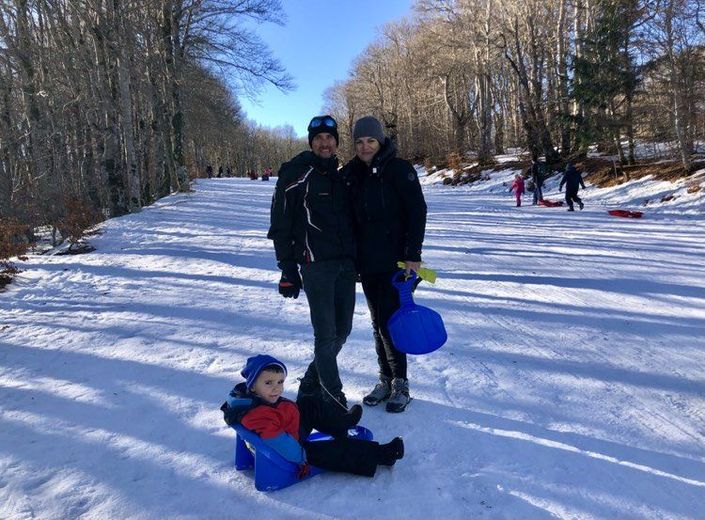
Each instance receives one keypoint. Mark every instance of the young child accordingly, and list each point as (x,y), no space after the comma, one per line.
(518,187)
(258,405)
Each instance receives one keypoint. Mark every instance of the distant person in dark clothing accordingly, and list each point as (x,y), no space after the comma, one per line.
(209,171)
(538,171)
(572,179)
(220,171)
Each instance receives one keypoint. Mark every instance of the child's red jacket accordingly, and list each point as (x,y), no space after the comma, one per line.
(277,424)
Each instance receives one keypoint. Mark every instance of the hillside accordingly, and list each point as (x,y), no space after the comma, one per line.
(571,384)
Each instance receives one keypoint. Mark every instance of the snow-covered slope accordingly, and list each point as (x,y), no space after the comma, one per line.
(571,385)
(684,197)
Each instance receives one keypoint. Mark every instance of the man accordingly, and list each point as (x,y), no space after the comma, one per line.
(572,179)
(537,173)
(311,226)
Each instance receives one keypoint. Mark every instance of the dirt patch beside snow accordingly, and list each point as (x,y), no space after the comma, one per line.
(604,173)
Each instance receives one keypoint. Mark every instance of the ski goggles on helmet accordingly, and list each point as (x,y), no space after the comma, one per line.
(326,121)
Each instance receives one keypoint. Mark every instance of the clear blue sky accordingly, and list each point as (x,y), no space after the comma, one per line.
(317,46)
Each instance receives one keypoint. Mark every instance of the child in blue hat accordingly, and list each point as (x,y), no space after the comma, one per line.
(258,405)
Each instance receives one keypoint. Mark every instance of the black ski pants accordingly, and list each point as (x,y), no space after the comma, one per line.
(383,301)
(571,195)
(330,291)
(315,413)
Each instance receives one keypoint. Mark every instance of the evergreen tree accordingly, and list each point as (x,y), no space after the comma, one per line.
(606,78)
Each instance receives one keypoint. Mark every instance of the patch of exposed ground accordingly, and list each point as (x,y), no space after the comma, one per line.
(604,173)
(599,171)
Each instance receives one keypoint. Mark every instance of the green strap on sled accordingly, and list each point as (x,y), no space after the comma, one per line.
(427,274)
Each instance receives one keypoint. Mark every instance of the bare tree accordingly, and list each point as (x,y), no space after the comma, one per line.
(95,99)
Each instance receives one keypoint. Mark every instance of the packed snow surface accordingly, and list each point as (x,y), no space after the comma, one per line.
(571,385)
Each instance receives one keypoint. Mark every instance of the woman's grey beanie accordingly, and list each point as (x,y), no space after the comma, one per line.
(368,126)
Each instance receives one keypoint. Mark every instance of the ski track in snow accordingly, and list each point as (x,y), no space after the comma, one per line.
(571,385)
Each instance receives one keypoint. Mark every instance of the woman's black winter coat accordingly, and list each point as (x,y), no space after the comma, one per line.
(390,211)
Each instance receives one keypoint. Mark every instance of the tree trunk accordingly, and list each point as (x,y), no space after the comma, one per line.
(9,153)
(170,32)
(459,116)
(538,135)
(484,81)
(119,20)
(110,156)
(680,117)
(499,132)
(578,112)
(35,133)
(562,73)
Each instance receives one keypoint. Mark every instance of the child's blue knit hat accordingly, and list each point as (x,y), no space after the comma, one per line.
(256,364)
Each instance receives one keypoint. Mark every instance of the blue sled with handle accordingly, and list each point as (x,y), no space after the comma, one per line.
(414,329)
(272,471)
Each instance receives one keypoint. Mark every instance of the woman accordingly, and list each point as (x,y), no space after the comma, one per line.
(390,218)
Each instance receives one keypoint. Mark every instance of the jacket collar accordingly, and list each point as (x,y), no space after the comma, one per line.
(324,166)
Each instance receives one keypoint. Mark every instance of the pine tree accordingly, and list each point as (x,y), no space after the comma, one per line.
(608,78)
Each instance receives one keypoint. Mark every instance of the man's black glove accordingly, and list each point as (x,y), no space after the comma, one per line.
(290,282)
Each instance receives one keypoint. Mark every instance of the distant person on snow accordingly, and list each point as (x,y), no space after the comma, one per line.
(258,405)
(538,171)
(312,227)
(209,171)
(518,188)
(572,179)
(390,217)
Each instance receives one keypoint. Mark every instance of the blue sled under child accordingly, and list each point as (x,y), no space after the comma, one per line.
(284,426)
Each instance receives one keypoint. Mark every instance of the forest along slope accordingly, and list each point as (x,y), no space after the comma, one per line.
(571,384)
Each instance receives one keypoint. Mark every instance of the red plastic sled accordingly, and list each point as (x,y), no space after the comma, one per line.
(625,213)
(550,203)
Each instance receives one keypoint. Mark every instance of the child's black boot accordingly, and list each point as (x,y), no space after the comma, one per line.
(391,452)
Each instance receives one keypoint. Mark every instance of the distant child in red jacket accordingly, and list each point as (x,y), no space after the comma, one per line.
(258,405)
(518,187)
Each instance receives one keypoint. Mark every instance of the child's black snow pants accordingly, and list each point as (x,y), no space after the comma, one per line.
(346,455)
(340,454)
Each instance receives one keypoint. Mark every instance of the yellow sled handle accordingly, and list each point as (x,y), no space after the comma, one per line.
(424,272)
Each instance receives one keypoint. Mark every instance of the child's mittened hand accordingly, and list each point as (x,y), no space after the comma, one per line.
(303,471)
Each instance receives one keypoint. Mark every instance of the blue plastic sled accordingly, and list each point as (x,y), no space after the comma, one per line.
(272,471)
(414,329)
